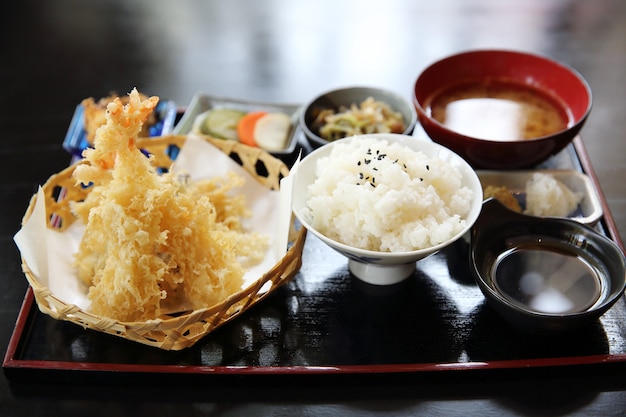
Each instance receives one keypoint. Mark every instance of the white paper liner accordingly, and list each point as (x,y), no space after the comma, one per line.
(50,253)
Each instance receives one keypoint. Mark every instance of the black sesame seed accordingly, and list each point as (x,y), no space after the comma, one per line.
(427,168)
(367,161)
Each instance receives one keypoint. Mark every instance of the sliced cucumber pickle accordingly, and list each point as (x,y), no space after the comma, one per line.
(222,123)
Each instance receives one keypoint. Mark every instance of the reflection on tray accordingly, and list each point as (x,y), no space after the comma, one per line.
(492,338)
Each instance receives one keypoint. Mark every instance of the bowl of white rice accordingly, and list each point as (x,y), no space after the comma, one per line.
(385,201)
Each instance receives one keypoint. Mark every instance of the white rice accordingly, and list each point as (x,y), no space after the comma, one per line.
(383,196)
(547,196)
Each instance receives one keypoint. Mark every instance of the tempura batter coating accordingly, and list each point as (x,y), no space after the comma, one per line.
(94,114)
(503,195)
(152,241)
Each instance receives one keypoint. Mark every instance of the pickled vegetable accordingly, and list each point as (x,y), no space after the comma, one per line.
(222,123)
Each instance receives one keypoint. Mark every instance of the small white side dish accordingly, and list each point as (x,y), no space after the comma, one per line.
(589,209)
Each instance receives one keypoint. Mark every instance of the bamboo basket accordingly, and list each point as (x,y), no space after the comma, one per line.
(183,330)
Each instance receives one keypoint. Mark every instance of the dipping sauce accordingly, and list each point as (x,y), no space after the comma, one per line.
(547,279)
(498,110)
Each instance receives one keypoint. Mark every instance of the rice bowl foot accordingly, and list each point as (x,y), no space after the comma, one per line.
(381,274)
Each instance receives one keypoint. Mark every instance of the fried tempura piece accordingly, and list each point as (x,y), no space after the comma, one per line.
(94,113)
(116,139)
(150,238)
(503,195)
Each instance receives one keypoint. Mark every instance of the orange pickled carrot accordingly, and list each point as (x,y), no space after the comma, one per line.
(245,127)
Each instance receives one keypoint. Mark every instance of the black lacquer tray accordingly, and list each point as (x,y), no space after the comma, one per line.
(326,323)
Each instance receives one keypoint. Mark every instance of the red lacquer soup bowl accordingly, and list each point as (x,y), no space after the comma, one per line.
(502,109)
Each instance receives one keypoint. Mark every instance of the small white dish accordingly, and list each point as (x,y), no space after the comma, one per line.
(589,210)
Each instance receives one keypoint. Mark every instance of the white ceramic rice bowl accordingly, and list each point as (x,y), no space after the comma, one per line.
(375,267)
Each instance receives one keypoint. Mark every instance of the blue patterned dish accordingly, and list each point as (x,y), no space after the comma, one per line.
(76,137)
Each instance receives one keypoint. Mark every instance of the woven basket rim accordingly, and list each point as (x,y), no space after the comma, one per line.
(182,330)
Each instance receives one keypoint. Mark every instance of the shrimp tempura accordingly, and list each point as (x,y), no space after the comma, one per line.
(151,243)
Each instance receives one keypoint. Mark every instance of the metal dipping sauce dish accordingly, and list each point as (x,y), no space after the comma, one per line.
(544,274)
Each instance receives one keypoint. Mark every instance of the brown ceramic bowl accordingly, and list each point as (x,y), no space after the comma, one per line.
(560,87)
(347,96)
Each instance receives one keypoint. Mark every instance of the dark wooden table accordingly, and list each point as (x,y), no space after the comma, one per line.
(54,54)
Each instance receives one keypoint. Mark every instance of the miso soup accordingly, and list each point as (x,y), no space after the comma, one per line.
(498,110)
